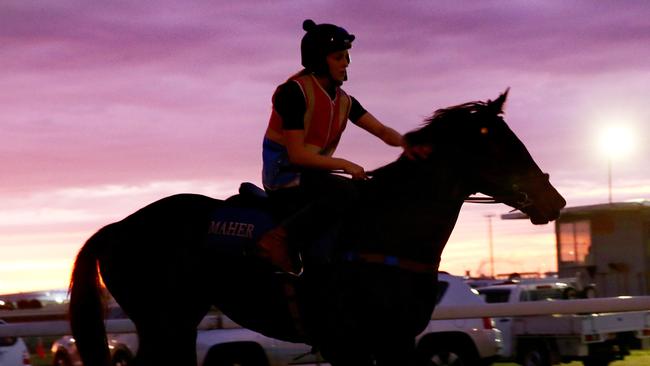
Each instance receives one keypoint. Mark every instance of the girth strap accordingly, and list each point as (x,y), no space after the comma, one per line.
(294,310)
(392,261)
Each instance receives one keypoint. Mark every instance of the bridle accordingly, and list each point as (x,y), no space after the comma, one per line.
(519,199)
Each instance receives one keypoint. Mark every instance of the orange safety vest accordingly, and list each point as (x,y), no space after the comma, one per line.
(324,120)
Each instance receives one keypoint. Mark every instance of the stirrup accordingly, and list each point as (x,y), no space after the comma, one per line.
(292,273)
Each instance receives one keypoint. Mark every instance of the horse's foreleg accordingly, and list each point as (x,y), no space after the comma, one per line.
(348,353)
(397,352)
(393,352)
(349,359)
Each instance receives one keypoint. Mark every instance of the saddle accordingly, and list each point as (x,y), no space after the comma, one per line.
(236,228)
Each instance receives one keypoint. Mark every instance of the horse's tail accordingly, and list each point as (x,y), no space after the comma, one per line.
(86,304)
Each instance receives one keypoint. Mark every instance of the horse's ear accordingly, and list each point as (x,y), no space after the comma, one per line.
(498,104)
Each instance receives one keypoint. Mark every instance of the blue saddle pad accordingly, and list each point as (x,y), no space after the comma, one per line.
(235,230)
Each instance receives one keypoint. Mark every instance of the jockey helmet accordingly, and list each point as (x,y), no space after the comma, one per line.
(319,41)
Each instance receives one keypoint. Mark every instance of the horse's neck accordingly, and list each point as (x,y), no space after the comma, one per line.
(412,208)
(425,185)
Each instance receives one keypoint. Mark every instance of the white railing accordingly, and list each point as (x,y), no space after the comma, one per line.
(579,306)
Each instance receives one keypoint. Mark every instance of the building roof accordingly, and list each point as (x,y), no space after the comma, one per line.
(589,209)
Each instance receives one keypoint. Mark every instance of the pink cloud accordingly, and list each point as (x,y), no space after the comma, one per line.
(130,94)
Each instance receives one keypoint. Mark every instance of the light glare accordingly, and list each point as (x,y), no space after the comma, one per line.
(616,141)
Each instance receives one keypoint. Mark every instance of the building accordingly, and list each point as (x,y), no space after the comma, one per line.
(606,244)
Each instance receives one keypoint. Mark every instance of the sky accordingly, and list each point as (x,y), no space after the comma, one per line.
(108,106)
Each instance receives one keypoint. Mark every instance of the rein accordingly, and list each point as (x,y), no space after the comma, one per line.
(519,198)
(484,200)
(391,261)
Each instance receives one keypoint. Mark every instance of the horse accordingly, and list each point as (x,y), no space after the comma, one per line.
(362,302)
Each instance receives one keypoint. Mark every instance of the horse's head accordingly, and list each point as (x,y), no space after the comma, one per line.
(491,157)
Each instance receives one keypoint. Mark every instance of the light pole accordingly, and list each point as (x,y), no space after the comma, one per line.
(491,244)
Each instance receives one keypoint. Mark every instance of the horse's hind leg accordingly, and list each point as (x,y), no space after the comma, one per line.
(166,343)
(166,315)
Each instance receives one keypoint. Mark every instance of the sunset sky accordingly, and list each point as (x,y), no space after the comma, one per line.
(108,106)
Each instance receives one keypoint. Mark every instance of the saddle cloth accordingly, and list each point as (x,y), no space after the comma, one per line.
(236,226)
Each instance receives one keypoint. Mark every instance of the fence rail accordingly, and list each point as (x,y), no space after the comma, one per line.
(41,323)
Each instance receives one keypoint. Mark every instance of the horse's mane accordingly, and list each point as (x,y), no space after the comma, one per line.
(449,119)
(445,125)
(432,129)
(454,119)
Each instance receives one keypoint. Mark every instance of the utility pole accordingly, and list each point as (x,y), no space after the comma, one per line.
(609,177)
(489,217)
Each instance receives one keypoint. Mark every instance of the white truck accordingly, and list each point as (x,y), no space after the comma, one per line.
(594,339)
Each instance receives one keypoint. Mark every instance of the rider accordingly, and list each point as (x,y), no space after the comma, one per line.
(310,111)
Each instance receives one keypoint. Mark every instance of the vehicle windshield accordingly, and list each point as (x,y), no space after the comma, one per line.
(538,294)
(495,295)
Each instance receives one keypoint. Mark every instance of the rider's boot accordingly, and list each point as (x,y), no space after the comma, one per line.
(273,246)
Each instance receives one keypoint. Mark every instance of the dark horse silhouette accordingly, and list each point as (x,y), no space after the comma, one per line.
(364,305)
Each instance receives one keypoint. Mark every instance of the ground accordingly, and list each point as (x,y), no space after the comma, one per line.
(637,358)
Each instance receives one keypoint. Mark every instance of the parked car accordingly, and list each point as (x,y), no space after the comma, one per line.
(444,342)
(459,341)
(226,344)
(122,346)
(13,351)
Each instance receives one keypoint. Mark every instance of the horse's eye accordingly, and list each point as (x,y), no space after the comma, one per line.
(484,130)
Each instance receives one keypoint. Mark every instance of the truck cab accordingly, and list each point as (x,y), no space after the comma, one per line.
(527,291)
(515,292)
